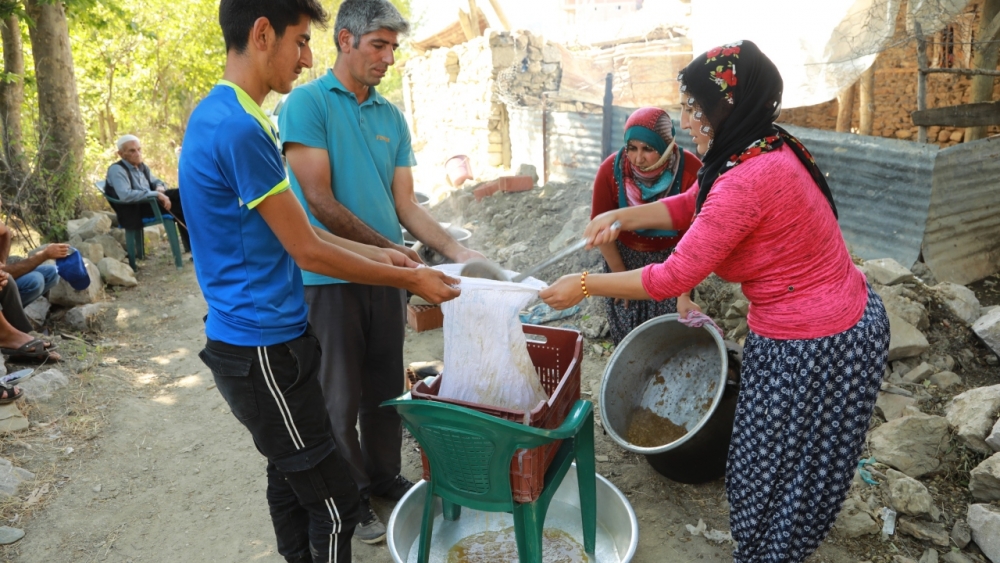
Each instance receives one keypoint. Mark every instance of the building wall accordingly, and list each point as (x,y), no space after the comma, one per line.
(896,90)
(456,97)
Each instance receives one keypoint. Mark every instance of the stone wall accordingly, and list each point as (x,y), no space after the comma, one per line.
(455,98)
(896,92)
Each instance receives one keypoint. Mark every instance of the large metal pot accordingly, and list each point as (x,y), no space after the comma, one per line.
(679,373)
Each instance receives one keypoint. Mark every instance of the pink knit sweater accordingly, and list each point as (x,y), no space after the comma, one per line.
(766,225)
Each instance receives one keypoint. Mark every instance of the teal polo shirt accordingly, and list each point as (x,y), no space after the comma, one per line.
(365,142)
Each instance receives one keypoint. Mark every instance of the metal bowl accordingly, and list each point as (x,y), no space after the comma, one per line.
(423,200)
(679,373)
(617,527)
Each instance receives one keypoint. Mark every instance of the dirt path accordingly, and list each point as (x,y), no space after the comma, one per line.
(160,471)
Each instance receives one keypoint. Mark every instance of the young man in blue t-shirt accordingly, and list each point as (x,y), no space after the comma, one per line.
(249,237)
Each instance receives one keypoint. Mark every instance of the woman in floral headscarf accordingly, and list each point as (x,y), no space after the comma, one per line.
(763,216)
(648,168)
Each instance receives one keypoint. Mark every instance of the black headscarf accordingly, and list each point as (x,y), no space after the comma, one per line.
(739,90)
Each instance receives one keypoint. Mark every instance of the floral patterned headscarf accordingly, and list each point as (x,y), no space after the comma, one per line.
(737,90)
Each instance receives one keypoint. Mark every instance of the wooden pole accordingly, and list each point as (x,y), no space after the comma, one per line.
(921,79)
(845,108)
(500,14)
(986,56)
(465,23)
(606,124)
(474,19)
(867,109)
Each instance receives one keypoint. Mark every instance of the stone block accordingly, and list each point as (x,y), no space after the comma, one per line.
(929,556)
(911,444)
(961,535)
(11,477)
(925,531)
(956,137)
(11,419)
(551,53)
(993,440)
(891,406)
(486,190)
(89,228)
(41,386)
(960,300)
(972,416)
(956,557)
(510,184)
(987,328)
(114,272)
(92,316)
(854,521)
(905,340)
(909,496)
(38,310)
(64,294)
(984,480)
(91,251)
(119,235)
(112,249)
(900,301)
(887,271)
(984,521)
(528,170)
(945,380)
(919,374)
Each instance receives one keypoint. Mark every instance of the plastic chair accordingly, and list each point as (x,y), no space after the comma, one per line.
(470,454)
(134,239)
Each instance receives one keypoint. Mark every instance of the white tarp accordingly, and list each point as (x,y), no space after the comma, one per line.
(819,47)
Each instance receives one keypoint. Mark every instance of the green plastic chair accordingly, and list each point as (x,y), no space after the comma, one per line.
(134,238)
(470,454)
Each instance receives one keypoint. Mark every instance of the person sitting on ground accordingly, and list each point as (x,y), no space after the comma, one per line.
(34,277)
(14,324)
(648,168)
(130,181)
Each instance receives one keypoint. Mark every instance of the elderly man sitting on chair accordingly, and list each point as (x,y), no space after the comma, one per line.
(130,181)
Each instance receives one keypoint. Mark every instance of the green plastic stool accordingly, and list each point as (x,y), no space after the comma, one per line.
(470,454)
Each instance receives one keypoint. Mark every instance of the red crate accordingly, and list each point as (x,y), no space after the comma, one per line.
(424,317)
(557,356)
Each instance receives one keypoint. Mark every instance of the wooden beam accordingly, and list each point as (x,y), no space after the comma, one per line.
(463,20)
(500,14)
(474,18)
(845,109)
(966,115)
(867,94)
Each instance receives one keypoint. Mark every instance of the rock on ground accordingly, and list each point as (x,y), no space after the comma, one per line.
(88,228)
(112,249)
(945,380)
(91,251)
(891,405)
(854,521)
(993,440)
(961,535)
(929,556)
(973,414)
(11,419)
(955,557)
(919,374)
(988,329)
(904,303)
(11,477)
(64,294)
(960,300)
(92,316)
(115,273)
(905,341)
(984,480)
(38,310)
(926,531)
(912,444)
(887,271)
(908,496)
(984,521)
(40,387)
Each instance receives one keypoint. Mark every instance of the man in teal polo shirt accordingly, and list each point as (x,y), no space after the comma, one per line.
(350,158)
(249,237)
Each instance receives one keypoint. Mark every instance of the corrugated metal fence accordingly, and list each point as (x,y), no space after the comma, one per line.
(895,198)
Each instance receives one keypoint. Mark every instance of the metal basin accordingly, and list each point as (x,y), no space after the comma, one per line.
(617,527)
(678,373)
(423,200)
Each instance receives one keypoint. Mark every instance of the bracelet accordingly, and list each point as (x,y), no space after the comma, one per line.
(583,284)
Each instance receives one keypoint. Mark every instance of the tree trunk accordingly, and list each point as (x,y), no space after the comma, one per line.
(11,99)
(845,109)
(867,101)
(61,131)
(985,58)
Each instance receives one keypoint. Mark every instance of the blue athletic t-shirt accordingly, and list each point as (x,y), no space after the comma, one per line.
(365,143)
(230,162)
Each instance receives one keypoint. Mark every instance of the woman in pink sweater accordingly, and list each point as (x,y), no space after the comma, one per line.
(762,215)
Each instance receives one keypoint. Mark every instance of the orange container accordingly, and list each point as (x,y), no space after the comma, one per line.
(556,354)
